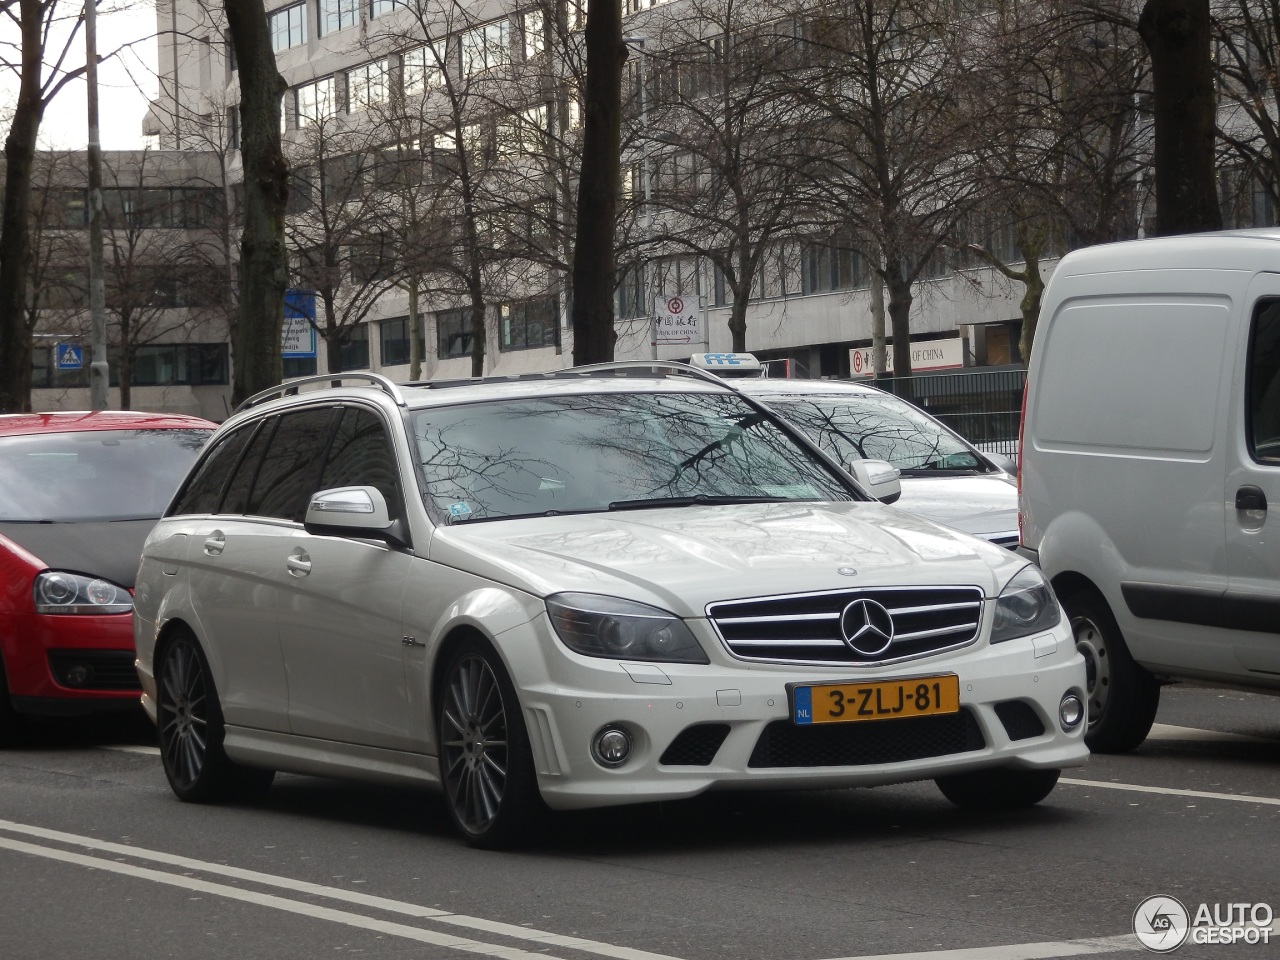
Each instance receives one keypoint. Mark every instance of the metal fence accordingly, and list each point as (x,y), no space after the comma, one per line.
(983,406)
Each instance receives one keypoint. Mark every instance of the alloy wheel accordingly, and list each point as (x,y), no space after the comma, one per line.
(183,714)
(474,744)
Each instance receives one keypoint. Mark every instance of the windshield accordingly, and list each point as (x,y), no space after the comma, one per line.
(617,451)
(872,427)
(94,475)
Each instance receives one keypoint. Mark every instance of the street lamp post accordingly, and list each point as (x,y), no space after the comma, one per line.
(646,283)
(98,370)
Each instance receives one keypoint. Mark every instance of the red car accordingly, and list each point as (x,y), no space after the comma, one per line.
(79,492)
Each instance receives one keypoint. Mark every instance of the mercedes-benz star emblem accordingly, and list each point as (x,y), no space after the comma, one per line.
(866,627)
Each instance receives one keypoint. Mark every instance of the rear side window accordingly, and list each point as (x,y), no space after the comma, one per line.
(236,499)
(291,467)
(1264,383)
(362,455)
(204,490)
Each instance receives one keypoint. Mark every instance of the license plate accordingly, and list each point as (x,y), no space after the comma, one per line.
(879,700)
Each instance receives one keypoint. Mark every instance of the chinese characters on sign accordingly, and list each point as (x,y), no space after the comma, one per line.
(678,320)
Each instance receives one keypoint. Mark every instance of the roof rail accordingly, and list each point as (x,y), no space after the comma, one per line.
(292,387)
(573,373)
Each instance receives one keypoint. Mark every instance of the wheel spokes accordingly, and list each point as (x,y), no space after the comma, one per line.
(473,744)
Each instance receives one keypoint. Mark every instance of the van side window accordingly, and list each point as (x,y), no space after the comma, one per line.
(362,455)
(291,467)
(205,489)
(1264,383)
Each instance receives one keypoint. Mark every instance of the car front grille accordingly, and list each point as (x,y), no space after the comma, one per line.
(806,628)
(94,669)
(784,744)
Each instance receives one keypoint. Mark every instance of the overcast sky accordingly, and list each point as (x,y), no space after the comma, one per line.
(125,85)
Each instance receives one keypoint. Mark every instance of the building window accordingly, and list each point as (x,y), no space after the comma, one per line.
(316,102)
(535,40)
(631,293)
(367,86)
(421,70)
(288,27)
(154,365)
(298,367)
(353,349)
(833,265)
(486,47)
(338,15)
(378,7)
(453,333)
(395,341)
(528,325)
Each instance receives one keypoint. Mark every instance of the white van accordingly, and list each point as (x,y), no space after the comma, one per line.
(1150,451)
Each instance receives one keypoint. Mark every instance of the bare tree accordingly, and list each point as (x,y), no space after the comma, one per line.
(1178,35)
(723,151)
(1247,34)
(264,265)
(40,63)
(594,256)
(894,139)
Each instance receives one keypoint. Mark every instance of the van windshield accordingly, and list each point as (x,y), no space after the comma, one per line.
(613,451)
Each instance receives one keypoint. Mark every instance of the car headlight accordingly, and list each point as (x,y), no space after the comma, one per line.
(1025,606)
(599,626)
(71,593)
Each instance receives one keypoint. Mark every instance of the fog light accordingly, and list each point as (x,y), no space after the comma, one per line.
(79,675)
(1071,711)
(611,746)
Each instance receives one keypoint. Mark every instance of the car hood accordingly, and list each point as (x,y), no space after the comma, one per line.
(982,506)
(684,558)
(106,549)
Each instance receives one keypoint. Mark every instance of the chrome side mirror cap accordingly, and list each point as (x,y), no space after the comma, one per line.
(353,511)
(879,478)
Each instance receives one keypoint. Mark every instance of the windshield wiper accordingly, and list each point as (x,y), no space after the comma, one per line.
(700,499)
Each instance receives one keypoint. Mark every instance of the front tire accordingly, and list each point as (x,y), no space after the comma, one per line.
(1123,697)
(191,729)
(998,789)
(12,724)
(486,766)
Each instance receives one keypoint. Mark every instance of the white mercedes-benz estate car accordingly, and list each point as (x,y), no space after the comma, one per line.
(605,585)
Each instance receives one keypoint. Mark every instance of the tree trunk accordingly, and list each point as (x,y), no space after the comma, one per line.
(415,331)
(15,228)
(1177,34)
(900,298)
(1032,290)
(125,363)
(264,273)
(879,362)
(738,323)
(594,257)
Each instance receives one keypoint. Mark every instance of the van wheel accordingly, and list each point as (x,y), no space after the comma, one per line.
(1123,696)
(998,789)
(191,730)
(486,766)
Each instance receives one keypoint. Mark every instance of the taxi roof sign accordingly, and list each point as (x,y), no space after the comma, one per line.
(728,364)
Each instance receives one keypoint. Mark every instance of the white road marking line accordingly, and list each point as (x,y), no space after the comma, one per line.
(276,903)
(1166,731)
(1172,791)
(1022,951)
(334,893)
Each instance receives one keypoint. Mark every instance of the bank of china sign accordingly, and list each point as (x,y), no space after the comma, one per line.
(926,355)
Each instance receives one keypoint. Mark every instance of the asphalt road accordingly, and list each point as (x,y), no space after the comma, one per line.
(98,860)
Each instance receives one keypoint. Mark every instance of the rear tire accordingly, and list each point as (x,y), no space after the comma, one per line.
(191,729)
(999,788)
(1123,697)
(486,766)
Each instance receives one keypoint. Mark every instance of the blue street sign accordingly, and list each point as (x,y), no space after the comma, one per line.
(68,356)
(298,335)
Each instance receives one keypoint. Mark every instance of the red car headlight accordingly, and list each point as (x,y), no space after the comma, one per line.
(73,593)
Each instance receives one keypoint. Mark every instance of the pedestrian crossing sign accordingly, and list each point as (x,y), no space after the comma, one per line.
(69,356)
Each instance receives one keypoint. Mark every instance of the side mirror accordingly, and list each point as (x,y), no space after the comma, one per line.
(879,478)
(355,512)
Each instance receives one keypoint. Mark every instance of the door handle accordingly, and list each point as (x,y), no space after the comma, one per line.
(215,543)
(1250,497)
(299,564)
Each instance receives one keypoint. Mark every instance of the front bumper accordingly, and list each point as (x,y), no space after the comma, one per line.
(727,724)
(78,660)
